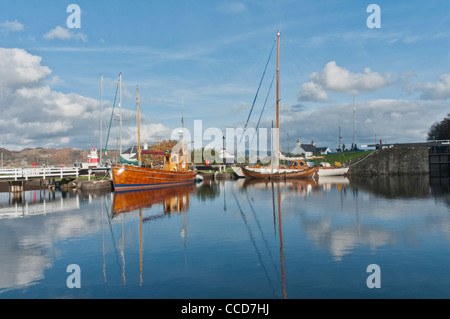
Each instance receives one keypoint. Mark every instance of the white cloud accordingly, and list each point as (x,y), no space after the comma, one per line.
(19,68)
(150,133)
(392,120)
(55,80)
(312,91)
(363,36)
(240,107)
(338,79)
(232,7)
(64,34)
(11,26)
(36,115)
(436,91)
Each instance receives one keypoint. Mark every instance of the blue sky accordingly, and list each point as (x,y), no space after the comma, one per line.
(210,56)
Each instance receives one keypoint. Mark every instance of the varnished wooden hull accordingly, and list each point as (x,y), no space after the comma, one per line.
(127,177)
(307,173)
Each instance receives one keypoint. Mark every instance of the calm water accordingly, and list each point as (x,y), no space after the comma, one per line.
(231,239)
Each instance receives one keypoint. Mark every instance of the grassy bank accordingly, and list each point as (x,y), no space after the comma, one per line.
(342,157)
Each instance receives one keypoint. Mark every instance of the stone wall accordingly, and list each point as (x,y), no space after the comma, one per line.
(393,161)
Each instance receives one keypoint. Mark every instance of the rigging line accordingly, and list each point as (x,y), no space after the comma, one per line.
(257,91)
(371,153)
(110,121)
(261,231)
(103,249)
(112,235)
(264,106)
(122,254)
(103,241)
(254,244)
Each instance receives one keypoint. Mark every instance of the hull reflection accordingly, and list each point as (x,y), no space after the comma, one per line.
(175,199)
(301,186)
(263,183)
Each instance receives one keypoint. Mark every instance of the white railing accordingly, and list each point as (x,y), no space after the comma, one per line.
(37,172)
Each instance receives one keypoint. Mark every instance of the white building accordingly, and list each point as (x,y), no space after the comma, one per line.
(309,149)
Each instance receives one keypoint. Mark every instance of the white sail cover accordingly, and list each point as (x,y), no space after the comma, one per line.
(285,158)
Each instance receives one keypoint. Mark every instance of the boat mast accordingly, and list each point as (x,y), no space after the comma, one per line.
(354,124)
(101,92)
(182,128)
(271,149)
(120,114)
(139,128)
(278,99)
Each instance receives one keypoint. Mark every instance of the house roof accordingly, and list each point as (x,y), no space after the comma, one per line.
(299,149)
(307,148)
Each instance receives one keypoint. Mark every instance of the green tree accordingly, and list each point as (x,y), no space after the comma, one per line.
(440,130)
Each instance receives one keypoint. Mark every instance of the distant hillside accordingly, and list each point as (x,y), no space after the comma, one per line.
(40,156)
(65,156)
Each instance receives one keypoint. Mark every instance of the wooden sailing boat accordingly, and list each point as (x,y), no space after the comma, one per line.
(279,173)
(298,168)
(174,172)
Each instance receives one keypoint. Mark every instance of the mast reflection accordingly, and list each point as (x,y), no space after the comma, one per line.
(175,200)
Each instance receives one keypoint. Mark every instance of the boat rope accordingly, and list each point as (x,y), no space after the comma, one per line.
(363,158)
(264,106)
(266,244)
(110,121)
(112,235)
(257,91)
(252,238)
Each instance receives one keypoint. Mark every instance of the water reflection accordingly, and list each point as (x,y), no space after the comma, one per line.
(209,190)
(247,239)
(342,214)
(274,188)
(413,186)
(31,227)
(174,199)
(440,189)
(281,194)
(300,187)
(36,202)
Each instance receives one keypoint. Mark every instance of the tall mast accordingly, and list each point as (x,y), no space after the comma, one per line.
(278,99)
(354,123)
(101,133)
(271,149)
(120,114)
(182,128)
(139,128)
